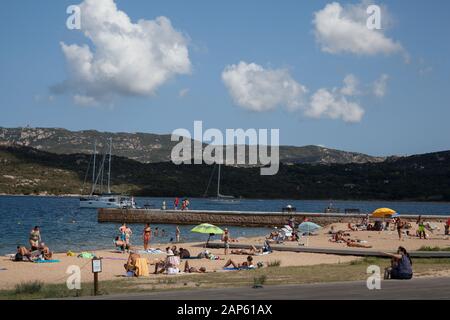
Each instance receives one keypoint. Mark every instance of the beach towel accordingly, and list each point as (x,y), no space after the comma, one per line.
(263,254)
(150,251)
(46,261)
(86,255)
(142,267)
(115,258)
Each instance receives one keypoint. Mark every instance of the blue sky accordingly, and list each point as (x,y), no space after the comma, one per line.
(410,117)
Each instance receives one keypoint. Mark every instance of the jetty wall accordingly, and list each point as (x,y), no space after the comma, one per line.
(233,218)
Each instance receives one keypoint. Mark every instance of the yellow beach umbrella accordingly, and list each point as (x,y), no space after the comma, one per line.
(383,213)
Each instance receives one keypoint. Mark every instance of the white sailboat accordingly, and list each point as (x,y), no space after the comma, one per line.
(221,197)
(108,199)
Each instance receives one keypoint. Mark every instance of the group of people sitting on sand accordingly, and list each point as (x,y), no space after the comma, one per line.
(38,249)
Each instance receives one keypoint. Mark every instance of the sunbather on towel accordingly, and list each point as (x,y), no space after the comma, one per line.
(355,244)
(189,269)
(246,264)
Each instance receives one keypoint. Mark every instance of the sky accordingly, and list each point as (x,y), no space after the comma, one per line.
(313,69)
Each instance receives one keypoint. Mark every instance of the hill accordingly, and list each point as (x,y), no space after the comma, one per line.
(25,170)
(151,148)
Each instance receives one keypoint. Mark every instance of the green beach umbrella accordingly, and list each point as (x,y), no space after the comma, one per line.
(207,228)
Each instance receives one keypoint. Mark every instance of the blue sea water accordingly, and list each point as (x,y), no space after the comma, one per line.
(64,226)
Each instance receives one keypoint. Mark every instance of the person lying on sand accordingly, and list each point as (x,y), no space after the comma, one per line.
(356,244)
(130,266)
(188,269)
(246,264)
(352,227)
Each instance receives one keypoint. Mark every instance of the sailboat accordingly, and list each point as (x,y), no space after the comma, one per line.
(220,197)
(108,199)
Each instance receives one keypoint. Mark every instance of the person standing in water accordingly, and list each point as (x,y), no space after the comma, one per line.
(35,238)
(177,234)
(226,240)
(147,235)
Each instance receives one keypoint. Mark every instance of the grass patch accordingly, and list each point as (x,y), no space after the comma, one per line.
(259,281)
(352,271)
(427,248)
(29,287)
(275,263)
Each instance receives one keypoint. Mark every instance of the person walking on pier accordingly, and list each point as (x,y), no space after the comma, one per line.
(175,203)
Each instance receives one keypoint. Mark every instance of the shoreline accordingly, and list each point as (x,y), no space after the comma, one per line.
(74,195)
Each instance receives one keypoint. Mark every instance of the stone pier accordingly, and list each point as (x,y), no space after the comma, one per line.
(233,218)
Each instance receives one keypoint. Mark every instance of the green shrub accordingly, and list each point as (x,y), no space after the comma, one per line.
(29,287)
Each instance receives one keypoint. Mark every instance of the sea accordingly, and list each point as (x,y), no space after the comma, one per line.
(64,226)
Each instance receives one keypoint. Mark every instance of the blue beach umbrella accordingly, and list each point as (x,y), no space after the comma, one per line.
(307,227)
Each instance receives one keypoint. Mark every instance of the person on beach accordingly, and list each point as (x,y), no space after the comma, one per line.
(128,234)
(120,244)
(35,238)
(399,225)
(177,234)
(401,265)
(21,253)
(226,240)
(45,251)
(184,253)
(147,236)
(447,227)
(170,265)
(175,203)
(189,269)
(421,228)
(130,266)
(244,265)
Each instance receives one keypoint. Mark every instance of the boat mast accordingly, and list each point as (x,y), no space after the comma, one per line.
(109,166)
(218,183)
(93,168)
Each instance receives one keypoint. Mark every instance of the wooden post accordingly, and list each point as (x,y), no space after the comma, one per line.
(96,269)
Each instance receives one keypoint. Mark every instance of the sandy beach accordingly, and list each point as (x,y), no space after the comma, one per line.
(13,273)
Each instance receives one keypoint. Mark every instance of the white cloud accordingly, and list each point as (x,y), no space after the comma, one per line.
(351,84)
(84,100)
(380,86)
(126,58)
(341,29)
(328,104)
(258,89)
(183,92)
(335,103)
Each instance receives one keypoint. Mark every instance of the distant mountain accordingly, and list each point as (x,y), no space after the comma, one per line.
(152,148)
(25,170)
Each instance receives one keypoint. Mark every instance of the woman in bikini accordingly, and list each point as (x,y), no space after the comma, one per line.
(35,238)
(147,235)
